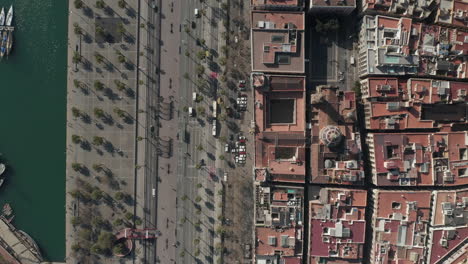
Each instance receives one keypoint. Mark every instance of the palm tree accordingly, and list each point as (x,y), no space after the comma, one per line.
(77,83)
(201,55)
(120,85)
(76,57)
(98,167)
(119,112)
(222,61)
(100,4)
(98,141)
(121,28)
(100,30)
(200,69)
(120,57)
(76,139)
(122,4)
(99,58)
(99,86)
(76,166)
(78,4)
(77,29)
(98,112)
(200,147)
(76,112)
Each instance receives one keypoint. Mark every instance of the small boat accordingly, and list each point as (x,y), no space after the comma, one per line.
(9,43)
(2,168)
(7,210)
(3,44)
(9,17)
(2,180)
(2,17)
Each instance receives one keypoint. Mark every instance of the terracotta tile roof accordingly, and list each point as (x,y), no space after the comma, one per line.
(270,88)
(334,114)
(400,222)
(454,239)
(410,158)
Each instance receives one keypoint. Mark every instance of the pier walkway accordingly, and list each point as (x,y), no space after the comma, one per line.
(17,244)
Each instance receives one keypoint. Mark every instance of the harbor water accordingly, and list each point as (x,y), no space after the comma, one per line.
(32,122)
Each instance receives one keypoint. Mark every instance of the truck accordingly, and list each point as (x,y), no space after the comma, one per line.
(215,109)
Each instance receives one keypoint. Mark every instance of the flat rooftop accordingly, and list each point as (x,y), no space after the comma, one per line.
(280,51)
(278,20)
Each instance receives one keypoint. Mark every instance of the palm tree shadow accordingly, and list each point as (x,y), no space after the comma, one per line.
(131,12)
(88,12)
(85,145)
(110,94)
(109,11)
(109,147)
(87,38)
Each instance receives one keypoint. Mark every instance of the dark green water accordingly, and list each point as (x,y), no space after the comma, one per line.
(32,122)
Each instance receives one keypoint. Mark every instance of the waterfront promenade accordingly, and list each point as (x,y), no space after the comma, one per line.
(106,129)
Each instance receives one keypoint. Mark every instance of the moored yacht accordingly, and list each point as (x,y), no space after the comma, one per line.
(9,17)
(9,42)
(2,168)
(2,17)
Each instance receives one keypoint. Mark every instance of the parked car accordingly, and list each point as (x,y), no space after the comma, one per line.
(226,147)
(242,85)
(191,112)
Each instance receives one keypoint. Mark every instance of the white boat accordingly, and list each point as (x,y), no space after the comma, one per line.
(9,43)
(2,17)
(9,17)
(2,180)
(2,168)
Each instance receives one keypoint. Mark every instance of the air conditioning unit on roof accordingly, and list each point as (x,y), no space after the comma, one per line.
(448,177)
(461,93)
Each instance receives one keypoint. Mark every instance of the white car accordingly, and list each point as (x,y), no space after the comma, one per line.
(191,112)
(194,96)
(226,147)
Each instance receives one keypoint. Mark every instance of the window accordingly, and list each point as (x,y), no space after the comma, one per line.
(396,205)
(266,48)
(463,154)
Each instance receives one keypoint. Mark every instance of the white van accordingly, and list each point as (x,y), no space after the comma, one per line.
(196,12)
(194,96)
(191,112)
(351,60)
(154,192)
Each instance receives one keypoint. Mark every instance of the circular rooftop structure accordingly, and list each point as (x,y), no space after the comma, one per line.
(330,136)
